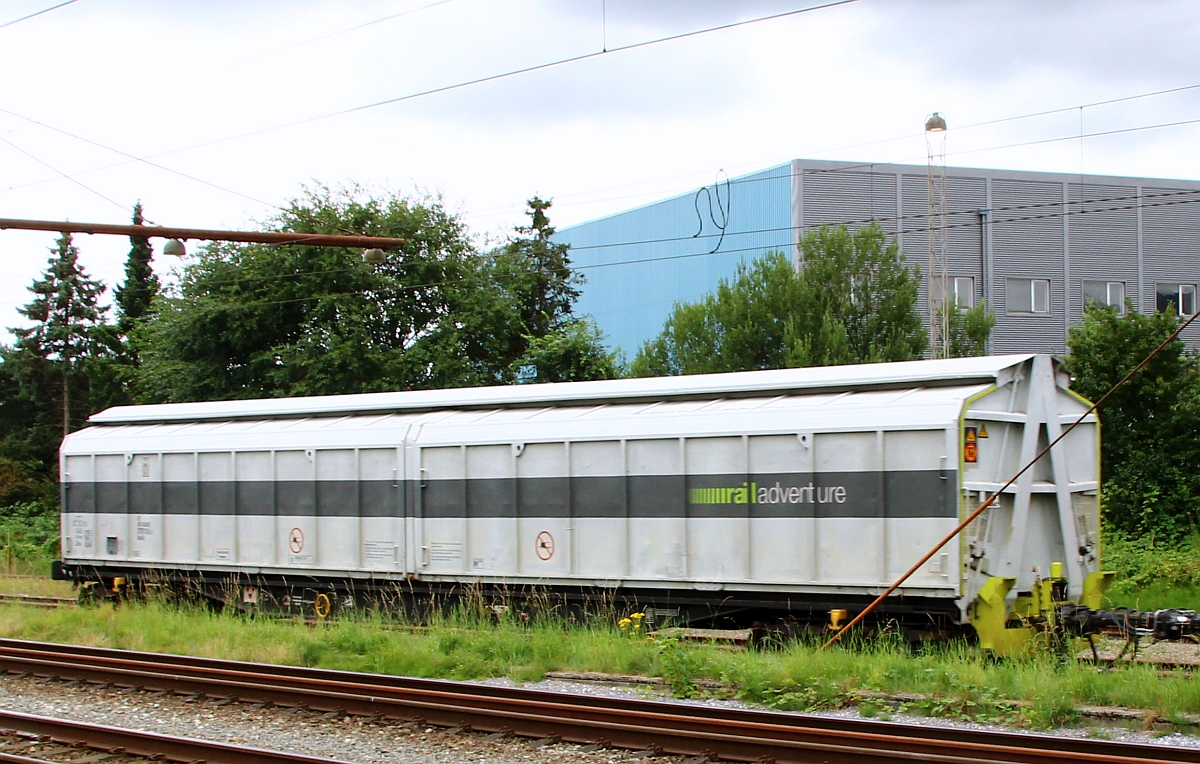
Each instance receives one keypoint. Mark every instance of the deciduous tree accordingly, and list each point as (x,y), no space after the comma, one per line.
(258,321)
(854,300)
(1149,450)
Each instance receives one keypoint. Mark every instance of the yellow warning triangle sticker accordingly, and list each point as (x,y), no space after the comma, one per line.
(970,435)
(983,430)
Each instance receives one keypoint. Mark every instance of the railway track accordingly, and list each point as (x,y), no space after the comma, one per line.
(39,600)
(29,739)
(652,727)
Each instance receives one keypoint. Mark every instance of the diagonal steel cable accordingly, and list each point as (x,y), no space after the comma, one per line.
(991,499)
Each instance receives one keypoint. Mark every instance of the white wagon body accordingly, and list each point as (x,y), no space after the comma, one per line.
(818,485)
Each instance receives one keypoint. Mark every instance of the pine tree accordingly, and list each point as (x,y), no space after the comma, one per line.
(66,315)
(134,297)
(541,275)
(535,272)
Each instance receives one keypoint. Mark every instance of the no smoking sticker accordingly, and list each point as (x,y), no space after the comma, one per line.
(296,540)
(544,545)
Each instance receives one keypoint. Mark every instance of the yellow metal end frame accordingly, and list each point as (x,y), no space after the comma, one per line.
(1013,633)
(1094,587)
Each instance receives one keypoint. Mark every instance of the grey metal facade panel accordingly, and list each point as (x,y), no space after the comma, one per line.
(1031,225)
(965,197)
(855,197)
(995,174)
(1028,243)
(1171,241)
(1104,239)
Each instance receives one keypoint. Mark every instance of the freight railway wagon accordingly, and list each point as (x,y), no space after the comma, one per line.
(796,490)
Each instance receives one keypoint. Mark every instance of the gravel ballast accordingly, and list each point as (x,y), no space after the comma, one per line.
(347,738)
(359,740)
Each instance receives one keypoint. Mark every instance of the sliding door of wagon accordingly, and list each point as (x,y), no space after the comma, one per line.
(79,507)
(442,532)
(381,509)
(338,532)
(296,509)
(544,526)
(144,489)
(181,508)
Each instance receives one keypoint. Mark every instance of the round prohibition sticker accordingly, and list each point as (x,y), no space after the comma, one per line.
(544,545)
(296,540)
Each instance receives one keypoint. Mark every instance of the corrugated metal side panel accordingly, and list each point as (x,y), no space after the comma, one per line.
(1171,242)
(1028,243)
(639,263)
(853,197)
(965,197)
(1103,245)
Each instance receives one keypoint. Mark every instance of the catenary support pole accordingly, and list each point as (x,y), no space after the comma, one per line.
(991,499)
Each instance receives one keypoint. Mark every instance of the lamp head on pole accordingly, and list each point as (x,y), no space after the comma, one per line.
(935,123)
(174,248)
(374,256)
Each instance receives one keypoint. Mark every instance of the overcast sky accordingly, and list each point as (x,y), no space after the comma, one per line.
(159,80)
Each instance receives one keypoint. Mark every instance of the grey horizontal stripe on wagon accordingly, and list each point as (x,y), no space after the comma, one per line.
(899,494)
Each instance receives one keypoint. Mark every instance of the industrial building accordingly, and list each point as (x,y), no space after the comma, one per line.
(1033,246)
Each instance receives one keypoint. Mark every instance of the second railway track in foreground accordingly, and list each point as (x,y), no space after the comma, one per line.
(29,739)
(642,725)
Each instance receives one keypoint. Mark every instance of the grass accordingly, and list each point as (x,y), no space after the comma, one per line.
(30,584)
(959,680)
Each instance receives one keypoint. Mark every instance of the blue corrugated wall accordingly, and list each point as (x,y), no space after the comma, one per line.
(638,263)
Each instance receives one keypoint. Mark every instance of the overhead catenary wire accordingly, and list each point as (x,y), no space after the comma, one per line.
(452,282)
(907,136)
(738,181)
(134,158)
(537,67)
(570,59)
(64,175)
(28,16)
(506,74)
(923,216)
(442,89)
(840,168)
(992,499)
(356,27)
(685,256)
(848,167)
(638,261)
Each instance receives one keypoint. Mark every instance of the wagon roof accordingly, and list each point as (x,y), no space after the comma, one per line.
(879,376)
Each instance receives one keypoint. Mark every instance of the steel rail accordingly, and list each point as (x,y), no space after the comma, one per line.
(12,758)
(38,600)
(150,745)
(739,735)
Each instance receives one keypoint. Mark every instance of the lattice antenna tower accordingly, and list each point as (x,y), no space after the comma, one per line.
(939,316)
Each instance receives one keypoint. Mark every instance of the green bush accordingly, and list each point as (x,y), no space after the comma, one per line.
(1152,573)
(29,535)
(1148,444)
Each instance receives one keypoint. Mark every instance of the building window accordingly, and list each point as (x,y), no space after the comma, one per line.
(1027,296)
(962,291)
(1106,294)
(1182,296)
